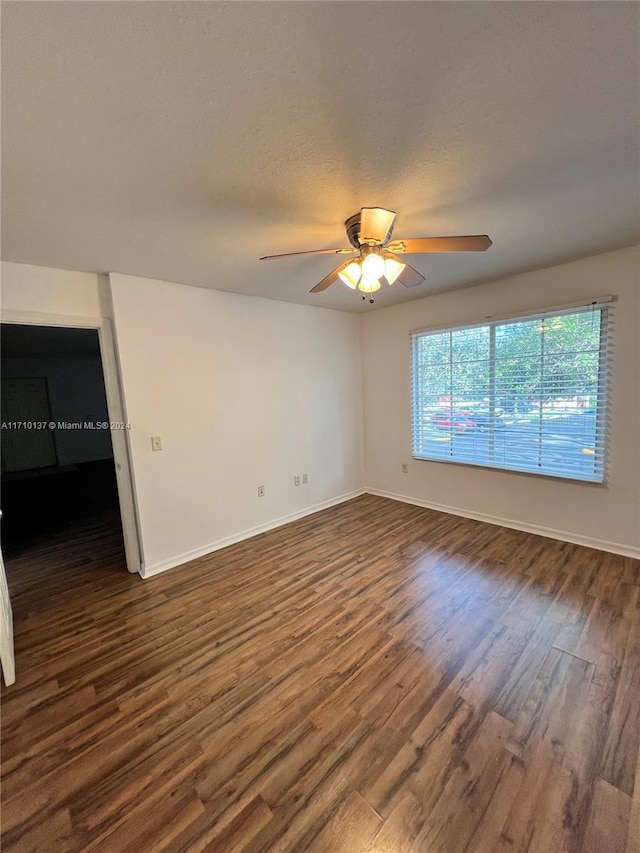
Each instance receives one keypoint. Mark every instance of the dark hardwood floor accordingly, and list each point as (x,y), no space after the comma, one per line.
(375,678)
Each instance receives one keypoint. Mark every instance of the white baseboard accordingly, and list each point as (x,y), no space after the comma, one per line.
(180,559)
(550,533)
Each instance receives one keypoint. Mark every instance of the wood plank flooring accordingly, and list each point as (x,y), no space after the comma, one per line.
(375,678)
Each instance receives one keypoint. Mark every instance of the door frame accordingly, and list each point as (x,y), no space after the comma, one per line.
(117,414)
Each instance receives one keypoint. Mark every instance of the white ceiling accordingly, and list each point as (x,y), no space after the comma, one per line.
(182,141)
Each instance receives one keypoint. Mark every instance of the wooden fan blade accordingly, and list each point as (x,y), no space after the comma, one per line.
(330,279)
(375,224)
(409,277)
(311,252)
(427,245)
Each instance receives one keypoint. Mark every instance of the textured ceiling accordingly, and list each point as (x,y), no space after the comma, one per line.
(182,141)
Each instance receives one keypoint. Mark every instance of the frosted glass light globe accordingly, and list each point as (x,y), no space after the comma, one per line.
(351,275)
(373,266)
(368,285)
(392,269)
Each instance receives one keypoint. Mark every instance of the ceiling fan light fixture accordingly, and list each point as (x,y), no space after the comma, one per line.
(369,234)
(368,285)
(373,266)
(351,275)
(392,269)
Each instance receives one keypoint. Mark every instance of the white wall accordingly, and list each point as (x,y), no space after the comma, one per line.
(243,391)
(609,515)
(76,394)
(51,292)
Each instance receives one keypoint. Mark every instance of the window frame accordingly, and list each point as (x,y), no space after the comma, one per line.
(604,304)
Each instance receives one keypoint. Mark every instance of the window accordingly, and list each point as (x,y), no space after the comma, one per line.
(523,394)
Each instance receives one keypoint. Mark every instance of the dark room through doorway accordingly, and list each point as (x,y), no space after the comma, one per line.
(59,492)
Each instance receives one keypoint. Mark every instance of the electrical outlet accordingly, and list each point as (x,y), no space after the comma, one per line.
(296,479)
(156,442)
(405,468)
(260,491)
(305,479)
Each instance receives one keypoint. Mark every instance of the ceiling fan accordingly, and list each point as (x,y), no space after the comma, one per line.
(369,233)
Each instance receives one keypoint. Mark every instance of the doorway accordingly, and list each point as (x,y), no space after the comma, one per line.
(65,472)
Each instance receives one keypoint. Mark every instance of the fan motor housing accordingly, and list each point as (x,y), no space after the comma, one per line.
(352,227)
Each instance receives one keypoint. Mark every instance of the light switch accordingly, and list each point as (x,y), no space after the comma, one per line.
(156,442)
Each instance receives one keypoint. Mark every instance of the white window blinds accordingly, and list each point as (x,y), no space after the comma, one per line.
(524,394)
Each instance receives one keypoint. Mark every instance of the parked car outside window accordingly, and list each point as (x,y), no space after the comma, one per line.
(465,417)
